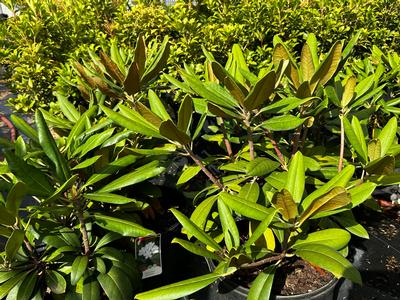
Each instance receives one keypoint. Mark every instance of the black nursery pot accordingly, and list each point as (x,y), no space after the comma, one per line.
(227,289)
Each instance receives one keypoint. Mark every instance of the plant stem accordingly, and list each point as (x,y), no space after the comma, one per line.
(85,237)
(249,135)
(226,140)
(263,261)
(296,139)
(277,151)
(341,152)
(10,125)
(198,162)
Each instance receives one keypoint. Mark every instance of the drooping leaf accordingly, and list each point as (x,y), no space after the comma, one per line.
(231,232)
(196,249)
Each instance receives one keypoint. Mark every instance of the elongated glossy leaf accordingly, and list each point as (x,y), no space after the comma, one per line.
(357,141)
(25,128)
(306,63)
(381,166)
(194,230)
(262,285)
(28,285)
(67,108)
(348,92)
(260,230)
(143,173)
(14,243)
(196,249)
(57,122)
(179,289)
(66,185)
(132,80)
(110,169)
(261,166)
(157,106)
(296,178)
(188,174)
(285,204)
(91,289)
(171,132)
(330,260)
(341,179)
(107,238)
(388,135)
(6,287)
(361,192)
(250,192)
(335,198)
(332,237)
(146,113)
(285,104)
(6,216)
(15,197)
(140,54)
(50,148)
(93,142)
(374,149)
(281,53)
(114,199)
(78,268)
(185,114)
(364,86)
(79,126)
(201,212)
(221,111)
(246,208)
(231,232)
(56,282)
(110,287)
(261,91)
(121,226)
(283,123)
(347,220)
(158,63)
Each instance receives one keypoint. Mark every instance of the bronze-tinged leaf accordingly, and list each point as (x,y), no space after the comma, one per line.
(132,81)
(171,132)
(111,67)
(261,91)
(185,114)
(381,166)
(140,54)
(148,114)
(280,53)
(103,87)
(374,149)
(283,201)
(220,112)
(306,63)
(82,71)
(335,198)
(210,74)
(348,92)
(304,90)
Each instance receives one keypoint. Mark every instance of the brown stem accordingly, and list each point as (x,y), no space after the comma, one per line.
(296,139)
(226,140)
(85,237)
(263,261)
(249,136)
(198,162)
(10,125)
(303,138)
(29,246)
(341,152)
(277,151)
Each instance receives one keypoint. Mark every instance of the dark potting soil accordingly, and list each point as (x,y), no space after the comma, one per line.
(299,277)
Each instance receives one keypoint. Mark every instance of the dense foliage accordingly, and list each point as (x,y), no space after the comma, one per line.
(47,33)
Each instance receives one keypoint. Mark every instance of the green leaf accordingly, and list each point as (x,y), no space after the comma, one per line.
(356,138)
(158,63)
(306,63)
(381,166)
(261,166)
(260,230)
(66,185)
(330,260)
(6,217)
(67,108)
(50,148)
(57,122)
(196,249)
(187,174)
(286,104)
(157,106)
(114,199)
(59,252)
(110,169)
(79,126)
(185,113)
(34,179)
(171,132)
(25,128)
(332,237)
(347,220)
(121,226)
(374,149)
(388,135)
(285,204)
(87,163)
(335,198)
(107,238)
(28,285)
(364,86)
(93,142)
(143,173)
(361,192)
(341,179)
(296,179)
(56,282)
(250,192)
(110,287)
(193,229)
(262,285)
(14,243)
(245,208)
(201,212)
(229,228)
(283,123)
(261,91)
(179,289)
(348,92)
(6,287)
(14,199)
(78,268)
(91,289)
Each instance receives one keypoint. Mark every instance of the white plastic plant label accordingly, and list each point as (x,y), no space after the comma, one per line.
(148,255)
